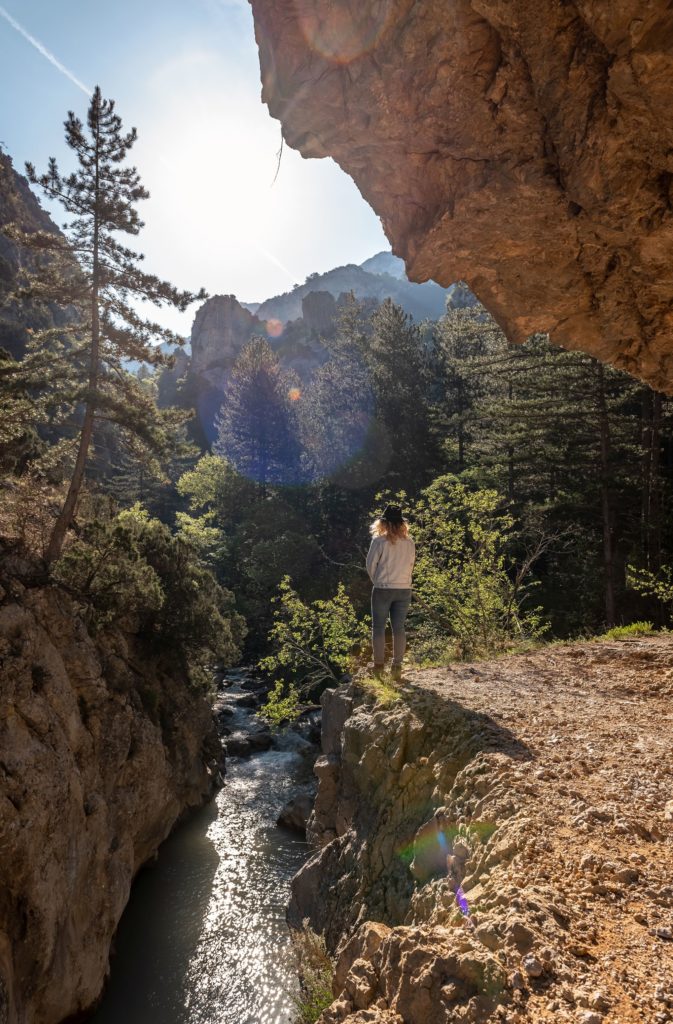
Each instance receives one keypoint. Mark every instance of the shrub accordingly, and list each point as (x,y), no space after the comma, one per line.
(658,585)
(627,632)
(105,571)
(282,705)
(131,570)
(315,970)
(315,642)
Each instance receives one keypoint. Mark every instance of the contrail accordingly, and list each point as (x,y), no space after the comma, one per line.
(274,259)
(43,50)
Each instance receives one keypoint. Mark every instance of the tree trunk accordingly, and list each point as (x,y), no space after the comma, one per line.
(606,509)
(461,426)
(646,464)
(510,453)
(654,520)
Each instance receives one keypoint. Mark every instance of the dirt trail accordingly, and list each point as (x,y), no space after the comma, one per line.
(597,721)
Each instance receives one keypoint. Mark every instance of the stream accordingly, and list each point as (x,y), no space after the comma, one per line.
(203,939)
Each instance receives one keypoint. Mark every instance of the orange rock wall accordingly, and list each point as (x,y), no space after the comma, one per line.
(525,146)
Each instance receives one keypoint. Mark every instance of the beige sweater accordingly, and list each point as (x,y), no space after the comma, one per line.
(390,564)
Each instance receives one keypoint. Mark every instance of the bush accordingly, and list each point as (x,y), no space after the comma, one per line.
(131,570)
(315,970)
(469,599)
(282,705)
(315,642)
(105,571)
(627,632)
(658,585)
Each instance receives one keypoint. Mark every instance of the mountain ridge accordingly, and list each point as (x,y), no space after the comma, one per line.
(381,276)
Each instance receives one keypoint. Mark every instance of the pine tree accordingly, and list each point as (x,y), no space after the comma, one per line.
(402,373)
(559,435)
(99,287)
(257,426)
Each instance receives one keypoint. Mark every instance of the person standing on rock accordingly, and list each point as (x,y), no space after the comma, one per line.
(390,563)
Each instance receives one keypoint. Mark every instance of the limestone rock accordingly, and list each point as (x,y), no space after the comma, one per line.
(296,811)
(220,330)
(449,881)
(523,146)
(100,753)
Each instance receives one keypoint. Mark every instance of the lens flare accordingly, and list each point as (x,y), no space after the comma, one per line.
(274,328)
(461,900)
(430,854)
(343,35)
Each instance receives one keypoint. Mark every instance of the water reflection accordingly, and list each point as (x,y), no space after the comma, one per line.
(203,940)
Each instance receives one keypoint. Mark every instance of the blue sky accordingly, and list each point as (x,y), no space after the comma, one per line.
(186,74)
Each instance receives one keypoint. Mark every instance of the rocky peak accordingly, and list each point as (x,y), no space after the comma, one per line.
(319,310)
(220,330)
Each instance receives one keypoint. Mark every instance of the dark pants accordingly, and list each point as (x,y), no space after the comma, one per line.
(396,604)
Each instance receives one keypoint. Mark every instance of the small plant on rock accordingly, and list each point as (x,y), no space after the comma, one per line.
(315,970)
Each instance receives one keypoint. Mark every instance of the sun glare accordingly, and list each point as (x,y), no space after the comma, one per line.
(211,154)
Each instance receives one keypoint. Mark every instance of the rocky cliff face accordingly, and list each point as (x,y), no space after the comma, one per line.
(100,753)
(19,207)
(523,146)
(220,330)
(492,846)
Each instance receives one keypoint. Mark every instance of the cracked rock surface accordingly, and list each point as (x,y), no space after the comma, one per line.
(497,844)
(101,751)
(524,146)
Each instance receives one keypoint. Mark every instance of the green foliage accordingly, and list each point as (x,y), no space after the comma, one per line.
(315,970)
(207,483)
(129,569)
(658,585)
(266,535)
(577,448)
(282,705)
(104,568)
(471,601)
(314,642)
(634,629)
(383,690)
(205,539)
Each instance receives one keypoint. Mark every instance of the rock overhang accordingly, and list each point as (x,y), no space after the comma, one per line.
(524,147)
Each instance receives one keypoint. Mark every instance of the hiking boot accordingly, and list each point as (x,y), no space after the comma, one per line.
(378,671)
(396,672)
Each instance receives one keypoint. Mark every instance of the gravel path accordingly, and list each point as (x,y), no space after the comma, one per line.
(589,731)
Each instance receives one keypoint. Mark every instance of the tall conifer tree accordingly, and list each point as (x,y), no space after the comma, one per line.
(257,427)
(100,286)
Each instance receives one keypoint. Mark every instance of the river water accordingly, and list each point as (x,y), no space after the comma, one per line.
(203,939)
